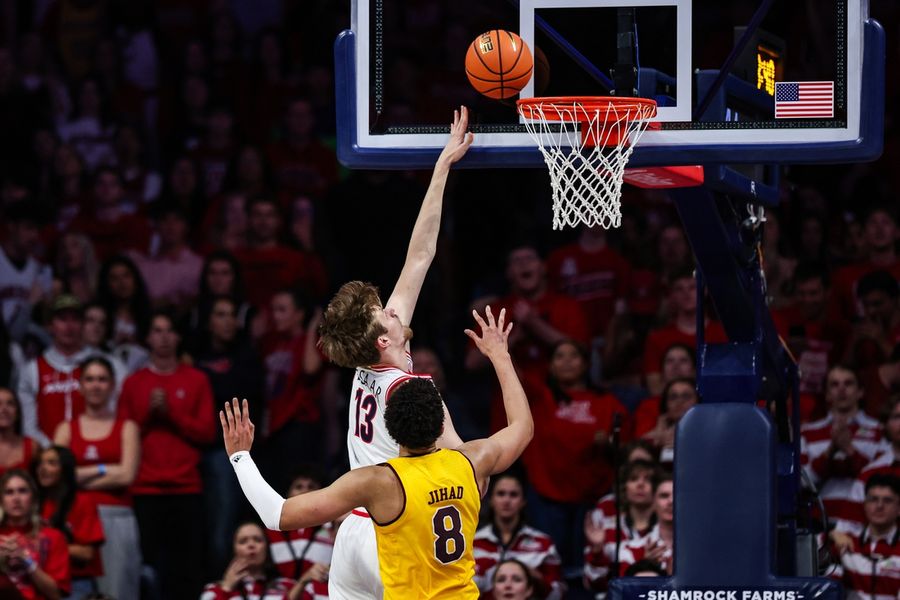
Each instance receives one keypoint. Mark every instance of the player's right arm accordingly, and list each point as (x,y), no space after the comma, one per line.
(423,242)
(498,452)
(376,488)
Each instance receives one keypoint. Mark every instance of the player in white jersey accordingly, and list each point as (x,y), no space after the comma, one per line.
(360,332)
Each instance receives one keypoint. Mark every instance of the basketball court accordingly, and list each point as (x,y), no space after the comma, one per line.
(709,100)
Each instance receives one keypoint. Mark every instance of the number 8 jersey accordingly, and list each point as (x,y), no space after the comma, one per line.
(368,441)
(427,549)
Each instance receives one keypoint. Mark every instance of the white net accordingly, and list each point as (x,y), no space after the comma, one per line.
(586,170)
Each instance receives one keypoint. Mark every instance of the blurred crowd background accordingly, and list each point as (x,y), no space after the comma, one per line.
(174,219)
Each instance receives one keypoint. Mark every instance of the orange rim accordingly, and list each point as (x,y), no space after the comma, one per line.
(583,108)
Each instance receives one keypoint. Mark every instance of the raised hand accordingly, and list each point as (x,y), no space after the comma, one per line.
(237,429)
(494,339)
(235,572)
(460,140)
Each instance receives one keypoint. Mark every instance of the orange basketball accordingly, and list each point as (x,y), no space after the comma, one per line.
(498,64)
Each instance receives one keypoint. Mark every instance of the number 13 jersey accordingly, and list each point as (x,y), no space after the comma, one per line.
(368,441)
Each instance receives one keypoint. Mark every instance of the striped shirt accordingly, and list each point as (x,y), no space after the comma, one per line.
(835,473)
(309,546)
(533,548)
(250,589)
(870,570)
(597,561)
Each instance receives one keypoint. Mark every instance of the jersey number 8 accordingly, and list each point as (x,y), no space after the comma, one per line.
(449,543)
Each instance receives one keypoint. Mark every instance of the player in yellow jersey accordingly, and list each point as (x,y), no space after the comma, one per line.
(424,503)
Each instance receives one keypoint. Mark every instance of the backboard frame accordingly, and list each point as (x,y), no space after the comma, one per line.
(860,139)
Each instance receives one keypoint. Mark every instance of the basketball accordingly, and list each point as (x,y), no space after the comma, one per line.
(499,64)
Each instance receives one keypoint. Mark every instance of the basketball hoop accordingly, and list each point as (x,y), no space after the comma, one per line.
(586,143)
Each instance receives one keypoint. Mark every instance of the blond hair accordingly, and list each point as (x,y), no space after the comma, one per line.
(349,329)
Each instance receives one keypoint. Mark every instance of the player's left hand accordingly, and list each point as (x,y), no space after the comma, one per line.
(237,429)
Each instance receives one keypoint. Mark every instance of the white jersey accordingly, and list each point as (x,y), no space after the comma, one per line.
(368,441)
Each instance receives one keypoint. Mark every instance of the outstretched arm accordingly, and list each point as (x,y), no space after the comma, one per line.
(498,452)
(423,242)
(372,487)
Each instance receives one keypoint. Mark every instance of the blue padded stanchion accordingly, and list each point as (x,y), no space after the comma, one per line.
(725,490)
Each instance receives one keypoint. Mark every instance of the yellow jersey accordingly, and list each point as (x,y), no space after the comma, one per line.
(426,552)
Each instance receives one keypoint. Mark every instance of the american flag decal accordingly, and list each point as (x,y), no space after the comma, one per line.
(804,99)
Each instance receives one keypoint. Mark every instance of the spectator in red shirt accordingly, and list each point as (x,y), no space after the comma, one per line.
(268,265)
(16,450)
(569,460)
(875,336)
(880,236)
(173,407)
(72,512)
(107,454)
(110,228)
(682,328)
(300,162)
(34,557)
(543,318)
(592,273)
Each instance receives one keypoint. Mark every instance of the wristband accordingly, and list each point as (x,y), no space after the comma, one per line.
(266,501)
(101,469)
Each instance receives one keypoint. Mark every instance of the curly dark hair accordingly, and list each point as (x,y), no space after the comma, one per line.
(415,414)
(349,328)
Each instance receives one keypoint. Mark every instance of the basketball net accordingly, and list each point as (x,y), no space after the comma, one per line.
(586,143)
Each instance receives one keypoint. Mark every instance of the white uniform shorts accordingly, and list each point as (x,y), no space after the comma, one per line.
(354,573)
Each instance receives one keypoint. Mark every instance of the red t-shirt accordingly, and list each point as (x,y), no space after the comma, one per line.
(58,397)
(530,354)
(84,523)
(49,549)
(105,451)
(269,270)
(594,279)
(290,393)
(170,444)
(563,462)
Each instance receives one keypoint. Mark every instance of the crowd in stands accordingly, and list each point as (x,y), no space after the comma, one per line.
(173,219)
